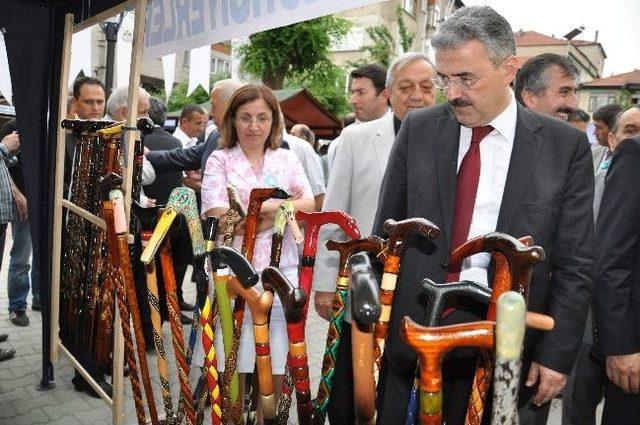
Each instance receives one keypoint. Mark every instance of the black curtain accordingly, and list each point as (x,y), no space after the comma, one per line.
(33,33)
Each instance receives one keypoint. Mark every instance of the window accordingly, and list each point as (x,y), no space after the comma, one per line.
(593,102)
(409,6)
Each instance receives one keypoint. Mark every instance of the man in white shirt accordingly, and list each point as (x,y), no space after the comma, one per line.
(369,99)
(193,119)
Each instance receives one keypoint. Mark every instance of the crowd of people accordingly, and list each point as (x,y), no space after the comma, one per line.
(498,155)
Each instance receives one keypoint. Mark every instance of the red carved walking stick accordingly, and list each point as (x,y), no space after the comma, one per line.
(365,310)
(114,259)
(397,231)
(372,245)
(298,362)
(125,265)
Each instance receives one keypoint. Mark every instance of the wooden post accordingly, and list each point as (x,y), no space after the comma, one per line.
(58,185)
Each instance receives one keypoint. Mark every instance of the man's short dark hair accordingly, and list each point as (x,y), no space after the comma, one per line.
(607,114)
(376,73)
(79,82)
(189,110)
(533,77)
(157,111)
(579,115)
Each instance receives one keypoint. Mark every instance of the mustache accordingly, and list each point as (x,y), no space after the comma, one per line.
(458,102)
(565,110)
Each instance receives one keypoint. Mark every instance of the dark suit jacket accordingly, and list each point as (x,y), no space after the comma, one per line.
(165,182)
(184,159)
(616,274)
(548,194)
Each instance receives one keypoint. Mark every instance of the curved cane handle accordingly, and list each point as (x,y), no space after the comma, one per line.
(315,220)
(364,291)
(293,299)
(439,293)
(238,263)
(183,200)
(372,244)
(398,231)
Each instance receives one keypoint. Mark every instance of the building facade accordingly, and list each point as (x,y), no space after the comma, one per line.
(623,89)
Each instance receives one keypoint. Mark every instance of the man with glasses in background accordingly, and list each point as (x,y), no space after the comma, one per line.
(477,164)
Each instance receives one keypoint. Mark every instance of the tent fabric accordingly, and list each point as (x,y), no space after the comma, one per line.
(33,32)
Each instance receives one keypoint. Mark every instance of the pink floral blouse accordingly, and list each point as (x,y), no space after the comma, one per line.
(281,169)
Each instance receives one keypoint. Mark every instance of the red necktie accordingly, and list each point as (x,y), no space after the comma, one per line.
(466,188)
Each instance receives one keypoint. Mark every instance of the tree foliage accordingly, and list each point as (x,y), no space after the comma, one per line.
(382,47)
(179,98)
(406,37)
(291,51)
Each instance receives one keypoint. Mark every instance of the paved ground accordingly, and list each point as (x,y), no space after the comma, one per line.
(22,404)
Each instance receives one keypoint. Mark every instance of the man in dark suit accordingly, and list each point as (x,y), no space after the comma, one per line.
(477,164)
(617,279)
(196,156)
(161,140)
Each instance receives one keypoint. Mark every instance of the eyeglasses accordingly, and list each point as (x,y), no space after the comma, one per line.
(443,82)
(246,120)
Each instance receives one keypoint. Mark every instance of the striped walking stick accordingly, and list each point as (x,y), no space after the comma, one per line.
(298,362)
(207,318)
(365,310)
(293,301)
(127,272)
(112,217)
(256,199)
(156,321)
(397,231)
(285,215)
(375,246)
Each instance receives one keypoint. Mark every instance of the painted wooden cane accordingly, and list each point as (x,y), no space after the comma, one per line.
(121,229)
(256,199)
(260,308)
(375,246)
(397,231)
(364,293)
(123,308)
(293,300)
(510,329)
(431,345)
(285,215)
(299,363)
(514,261)
(207,318)
(158,340)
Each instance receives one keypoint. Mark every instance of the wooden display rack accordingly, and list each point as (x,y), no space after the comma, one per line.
(139,6)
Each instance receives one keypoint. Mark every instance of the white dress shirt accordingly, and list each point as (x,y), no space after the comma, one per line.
(186,141)
(495,155)
(310,161)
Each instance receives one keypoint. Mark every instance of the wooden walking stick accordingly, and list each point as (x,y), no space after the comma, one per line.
(365,310)
(293,300)
(125,265)
(256,199)
(207,318)
(397,231)
(299,363)
(432,344)
(156,321)
(514,261)
(117,278)
(375,246)
(284,216)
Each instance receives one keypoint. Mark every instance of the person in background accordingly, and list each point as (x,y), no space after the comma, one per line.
(9,145)
(193,120)
(579,119)
(302,131)
(250,157)
(369,99)
(22,275)
(603,119)
(548,83)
